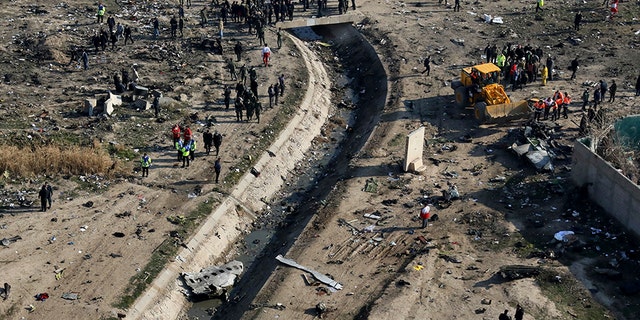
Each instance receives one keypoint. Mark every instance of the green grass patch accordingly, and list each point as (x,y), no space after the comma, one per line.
(398,140)
(570,296)
(164,253)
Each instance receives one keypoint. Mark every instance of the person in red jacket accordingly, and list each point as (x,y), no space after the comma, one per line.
(175,133)
(187,134)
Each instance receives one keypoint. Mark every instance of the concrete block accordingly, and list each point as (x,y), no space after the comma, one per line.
(142,104)
(140,92)
(89,106)
(111,102)
(413,151)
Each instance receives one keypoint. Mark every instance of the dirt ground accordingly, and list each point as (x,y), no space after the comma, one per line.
(390,273)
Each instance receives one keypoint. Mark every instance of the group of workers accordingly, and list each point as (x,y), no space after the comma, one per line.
(552,106)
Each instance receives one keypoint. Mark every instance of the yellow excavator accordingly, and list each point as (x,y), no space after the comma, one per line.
(479,86)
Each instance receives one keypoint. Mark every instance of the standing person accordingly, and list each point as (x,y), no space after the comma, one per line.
(565,105)
(577,20)
(101,11)
(192,148)
(232,70)
(585,99)
(456,6)
(638,87)
(574,67)
(85,60)
(425,214)
(279,38)
(281,84)
(266,55)
(612,91)
(207,138)
(187,134)
(217,167)
(203,17)
(614,8)
(221,28)
(597,97)
(174,27)
(145,163)
(270,92)
(227,96)
(49,193)
(156,28)
(175,132)
(544,75)
(237,49)
(156,106)
(184,153)
(603,90)
(519,313)
(217,141)
(43,195)
(504,316)
(276,92)
(427,65)
(181,26)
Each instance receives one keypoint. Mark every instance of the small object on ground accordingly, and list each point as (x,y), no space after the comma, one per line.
(88,204)
(515,272)
(70,296)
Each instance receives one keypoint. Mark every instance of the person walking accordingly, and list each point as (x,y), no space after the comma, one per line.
(207,138)
(266,55)
(237,49)
(425,214)
(612,91)
(49,193)
(539,4)
(227,96)
(43,195)
(217,167)
(427,65)
(232,70)
(127,35)
(145,163)
(575,65)
(217,141)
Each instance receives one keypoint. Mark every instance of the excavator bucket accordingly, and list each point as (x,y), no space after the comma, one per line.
(502,112)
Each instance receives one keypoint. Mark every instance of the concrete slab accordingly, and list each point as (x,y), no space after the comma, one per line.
(413,151)
(297,23)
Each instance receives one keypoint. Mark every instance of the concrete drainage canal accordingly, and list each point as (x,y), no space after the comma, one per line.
(360,73)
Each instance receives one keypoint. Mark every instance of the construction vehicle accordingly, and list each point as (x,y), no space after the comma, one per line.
(479,86)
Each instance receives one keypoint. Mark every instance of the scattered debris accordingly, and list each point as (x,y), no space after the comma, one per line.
(321,277)
(371,185)
(214,280)
(277,306)
(515,272)
(7,241)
